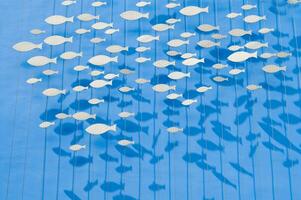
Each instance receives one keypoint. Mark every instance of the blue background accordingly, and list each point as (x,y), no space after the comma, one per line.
(36,163)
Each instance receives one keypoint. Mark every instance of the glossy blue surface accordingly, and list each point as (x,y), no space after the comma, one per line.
(37,164)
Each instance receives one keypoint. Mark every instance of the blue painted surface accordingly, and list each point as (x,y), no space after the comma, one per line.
(32,166)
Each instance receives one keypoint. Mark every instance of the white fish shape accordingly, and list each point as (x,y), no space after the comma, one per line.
(116,48)
(283,54)
(203,89)
(100,83)
(163,87)
(248,6)
(220,79)
(256,45)
(141,4)
(273,68)
(133,15)
(142,49)
(188,55)
(173,53)
(50,92)
(192,61)
(178,75)
(85,17)
(142,81)
(126,89)
(96,72)
(126,71)
(235,47)
(253,87)
(32,81)
(39,61)
(37,31)
(187,34)
(254,18)
(177,42)
(57,40)
(163,63)
(241,56)
(126,114)
(174,96)
(266,30)
(125,142)
(207,28)
(233,15)
(58,19)
(80,68)
(27,46)
(80,88)
(147,38)
(219,66)
(101,60)
(62,116)
(172,21)
(101,25)
(98,3)
(111,31)
(172,5)
(97,40)
(218,36)
(98,129)
(142,59)
(110,76)
(77,147)
(68,2)
(68,55)
(81,31)
(81,116)
(267,55)
(162,27)
(237,32)
(188,102)
(208,44)
(46,124)
(95,101)
(50,72)
(236,71)
(174,129)
(193,10)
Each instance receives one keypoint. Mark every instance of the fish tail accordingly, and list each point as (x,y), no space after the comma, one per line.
(266,44)
(179,20)
(249,32)
(97,17)
(186,42)
(94,116)
(115,59)
(84,146)
(188,74)
(63,91)
(283,68)
(218,44)
(70,19)
(110,82)
(70,39)
(206,9)
(173,63)
(217,28)
(157,38)
(172,27)
(264,17)
(54,60)
(113,128)
(80,54)
(254,54)
(111,25)
(40,46)
(202,60)
(126,48)
(173,87)
(146,15)
(40,79)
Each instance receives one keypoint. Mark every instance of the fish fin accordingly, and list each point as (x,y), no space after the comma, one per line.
(94,116)
(173,87)
(110,82)
(254,54)
(172,27)
(218,44)
(206,9)
(64,91)
(283,68)
(97,17)
(249,32)
(146,15)
(264,17)
(111,25)
(54,60)
(173,63)
(40,46)
(70,39)
(188,74)
(80,54)
(157,38)
(113,128)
